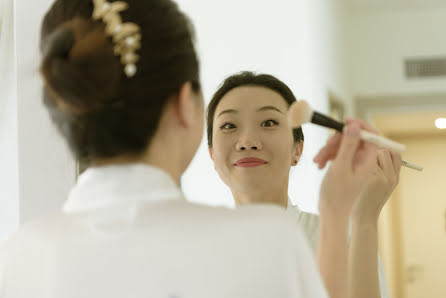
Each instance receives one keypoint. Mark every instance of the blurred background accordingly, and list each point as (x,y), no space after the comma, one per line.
(381,60)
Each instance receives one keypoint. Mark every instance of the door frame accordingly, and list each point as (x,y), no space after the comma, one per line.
(366,107)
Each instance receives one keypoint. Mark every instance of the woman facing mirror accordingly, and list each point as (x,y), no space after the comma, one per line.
(253,151)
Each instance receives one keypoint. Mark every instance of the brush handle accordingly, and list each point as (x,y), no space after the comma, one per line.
(411,165)
(326,121)
(382,141)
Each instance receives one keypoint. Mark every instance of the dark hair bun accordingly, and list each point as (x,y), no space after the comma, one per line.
(79,67)
(99,110)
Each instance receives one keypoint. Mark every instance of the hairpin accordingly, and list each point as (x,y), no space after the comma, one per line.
(126,36)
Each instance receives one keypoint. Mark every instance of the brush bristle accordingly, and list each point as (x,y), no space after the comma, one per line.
(299,113)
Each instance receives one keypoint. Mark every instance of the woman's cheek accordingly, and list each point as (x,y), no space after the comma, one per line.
(221,153)
(279,142)
(282,149)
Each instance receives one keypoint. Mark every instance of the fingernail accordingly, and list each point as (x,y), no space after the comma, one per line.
(331,140)
(353,130)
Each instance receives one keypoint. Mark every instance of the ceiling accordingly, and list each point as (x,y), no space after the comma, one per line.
(370,5)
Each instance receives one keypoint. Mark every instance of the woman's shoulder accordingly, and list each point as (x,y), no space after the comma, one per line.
(36,229)
(253,219)
(38,234)
(255,214)
(303,217)
(308,222)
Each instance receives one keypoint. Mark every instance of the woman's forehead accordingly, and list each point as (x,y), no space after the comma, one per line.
(251,97)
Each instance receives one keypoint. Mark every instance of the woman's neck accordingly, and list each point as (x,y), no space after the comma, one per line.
(160,154)
(274,195)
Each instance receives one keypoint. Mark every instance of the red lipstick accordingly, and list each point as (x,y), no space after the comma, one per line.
(249,162)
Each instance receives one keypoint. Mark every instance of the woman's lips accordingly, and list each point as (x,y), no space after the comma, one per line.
(249,162)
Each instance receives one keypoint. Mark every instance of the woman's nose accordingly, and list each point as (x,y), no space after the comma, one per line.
(245,144)
(242,148)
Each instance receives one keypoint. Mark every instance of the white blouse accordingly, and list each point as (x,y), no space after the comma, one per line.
(309,222)
(126,231)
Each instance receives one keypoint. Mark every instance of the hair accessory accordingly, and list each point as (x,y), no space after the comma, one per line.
(126,36)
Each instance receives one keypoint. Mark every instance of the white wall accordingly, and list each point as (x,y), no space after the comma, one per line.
(9,179)
(46,169)
(380,40)
(299,41)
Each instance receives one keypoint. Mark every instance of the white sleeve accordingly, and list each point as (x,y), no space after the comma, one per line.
(309,223)
(311,283)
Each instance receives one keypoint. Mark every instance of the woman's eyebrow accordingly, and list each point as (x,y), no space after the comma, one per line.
(230,111)
(268,108)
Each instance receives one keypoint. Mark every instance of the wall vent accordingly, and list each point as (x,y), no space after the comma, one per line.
(425,67)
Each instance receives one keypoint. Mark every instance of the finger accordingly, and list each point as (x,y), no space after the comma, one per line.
(368,159)
(330,150)
(334,139)
(386,164)
(322,165)
(362,123)
(396,161)
(349,145)
(364,149)
(322,157)
(326,149)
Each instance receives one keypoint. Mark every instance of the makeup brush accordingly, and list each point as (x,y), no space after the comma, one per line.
(300,112)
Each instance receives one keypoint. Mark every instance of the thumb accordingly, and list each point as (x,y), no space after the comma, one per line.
(349,145)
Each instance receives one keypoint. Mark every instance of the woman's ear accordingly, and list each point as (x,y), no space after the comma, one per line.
(186,107)
(298,149)
(211,153)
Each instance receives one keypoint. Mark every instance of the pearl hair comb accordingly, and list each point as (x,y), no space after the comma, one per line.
(126,36)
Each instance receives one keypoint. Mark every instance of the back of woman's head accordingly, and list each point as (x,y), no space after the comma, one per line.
(100,111)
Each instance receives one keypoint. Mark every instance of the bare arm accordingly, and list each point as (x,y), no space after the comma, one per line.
(363,251)
(332,253)
(339,191)
(363,278)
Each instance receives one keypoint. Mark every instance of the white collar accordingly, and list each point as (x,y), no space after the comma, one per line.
(290,205)
(110,186)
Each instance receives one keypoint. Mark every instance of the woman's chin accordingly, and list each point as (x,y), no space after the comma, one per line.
(250,185)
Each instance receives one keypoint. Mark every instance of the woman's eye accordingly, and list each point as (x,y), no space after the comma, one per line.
(227,126)
(269,123)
